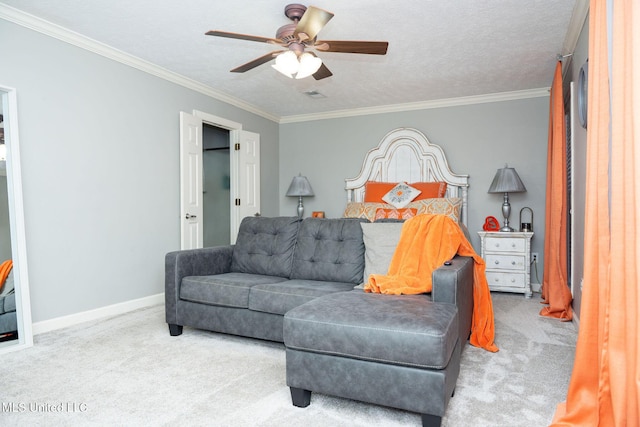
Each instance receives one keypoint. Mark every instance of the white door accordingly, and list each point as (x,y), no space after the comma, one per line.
(246,168)
(245,176)
(191,212)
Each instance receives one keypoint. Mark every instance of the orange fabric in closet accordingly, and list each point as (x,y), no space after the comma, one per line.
(5,269)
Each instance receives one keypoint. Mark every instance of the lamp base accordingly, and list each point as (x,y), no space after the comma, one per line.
(300,207)
(506,211)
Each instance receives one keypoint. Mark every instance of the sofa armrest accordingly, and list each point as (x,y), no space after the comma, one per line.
(454,284)
(191,262)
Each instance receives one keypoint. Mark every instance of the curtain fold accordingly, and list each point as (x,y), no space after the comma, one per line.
(603,390)
(555,290)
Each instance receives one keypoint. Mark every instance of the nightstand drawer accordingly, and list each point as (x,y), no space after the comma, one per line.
(506,279)
(505,244)
(505,262)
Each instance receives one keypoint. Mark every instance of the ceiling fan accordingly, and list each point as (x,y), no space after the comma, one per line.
(299,36)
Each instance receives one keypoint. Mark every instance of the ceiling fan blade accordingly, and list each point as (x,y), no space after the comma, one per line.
(345,46)
(258,61)
(313,20)
(322,73)
(243,37)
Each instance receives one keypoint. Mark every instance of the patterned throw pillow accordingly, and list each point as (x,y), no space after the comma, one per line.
(449,206)
(364,210)
(395,213)
(401,195)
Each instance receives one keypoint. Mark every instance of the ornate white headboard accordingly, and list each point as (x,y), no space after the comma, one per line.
(406,154)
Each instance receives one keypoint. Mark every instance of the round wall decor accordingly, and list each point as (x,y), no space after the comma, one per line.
(583,79)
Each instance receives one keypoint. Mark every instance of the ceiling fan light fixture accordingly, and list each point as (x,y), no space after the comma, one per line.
(309,64)
(287,63)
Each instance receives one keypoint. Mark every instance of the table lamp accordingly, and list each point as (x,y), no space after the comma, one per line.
(300,188)
(506,181)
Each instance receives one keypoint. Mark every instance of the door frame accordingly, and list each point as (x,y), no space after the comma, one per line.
(234,129)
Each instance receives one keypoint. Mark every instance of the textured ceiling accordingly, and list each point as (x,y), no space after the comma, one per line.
(437,49)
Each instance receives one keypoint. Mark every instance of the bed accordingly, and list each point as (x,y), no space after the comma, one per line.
(406,155)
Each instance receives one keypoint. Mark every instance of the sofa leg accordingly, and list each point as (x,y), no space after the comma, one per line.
(175,330)
(429,420)
(300,397)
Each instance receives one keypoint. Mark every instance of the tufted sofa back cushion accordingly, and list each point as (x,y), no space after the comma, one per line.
(265,246)
(329,250)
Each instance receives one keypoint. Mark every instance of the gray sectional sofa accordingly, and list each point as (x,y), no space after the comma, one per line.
(293,281)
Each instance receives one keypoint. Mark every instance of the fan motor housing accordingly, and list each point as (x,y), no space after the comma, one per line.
(285,33)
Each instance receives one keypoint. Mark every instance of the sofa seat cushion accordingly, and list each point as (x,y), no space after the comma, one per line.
(407,330)
(265,246)
(278,298)
(329,250)
(228,289)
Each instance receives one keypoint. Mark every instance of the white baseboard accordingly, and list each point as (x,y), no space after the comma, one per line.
(536,287)
(98,313)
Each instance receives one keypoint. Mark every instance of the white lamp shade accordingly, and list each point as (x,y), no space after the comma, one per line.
(287,63)
(309,64)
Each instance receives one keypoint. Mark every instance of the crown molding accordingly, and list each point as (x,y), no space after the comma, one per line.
(32,22)
(576,24)
(424,105)
(578,18)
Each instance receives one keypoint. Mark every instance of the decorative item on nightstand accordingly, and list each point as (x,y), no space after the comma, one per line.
(506,181)
(300,187)
(526,226)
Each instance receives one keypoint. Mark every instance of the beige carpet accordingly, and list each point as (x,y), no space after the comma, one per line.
(128,371)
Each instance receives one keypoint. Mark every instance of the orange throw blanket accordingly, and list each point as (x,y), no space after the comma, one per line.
(426,242)
(5,269)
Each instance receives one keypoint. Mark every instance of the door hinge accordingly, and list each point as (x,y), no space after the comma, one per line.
(237,146)
(237,202)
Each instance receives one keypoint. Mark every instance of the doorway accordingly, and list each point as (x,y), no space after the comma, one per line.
(243,173)
(216,185)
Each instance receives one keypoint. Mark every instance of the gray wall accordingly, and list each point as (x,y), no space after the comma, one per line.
(99,144)
(477,140)
(580,55)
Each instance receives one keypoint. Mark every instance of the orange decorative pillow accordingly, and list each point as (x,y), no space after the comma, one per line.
(395,213)
(374,191)
(430,190)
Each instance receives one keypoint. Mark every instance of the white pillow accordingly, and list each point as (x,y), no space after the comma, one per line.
(380,242)
(401,195)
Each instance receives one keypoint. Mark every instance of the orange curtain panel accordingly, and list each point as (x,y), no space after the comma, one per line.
(555,289)
(603,390)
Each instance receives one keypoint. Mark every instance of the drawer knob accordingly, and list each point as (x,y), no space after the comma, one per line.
(497,262)
(513,263)
(513,280)
(496,280)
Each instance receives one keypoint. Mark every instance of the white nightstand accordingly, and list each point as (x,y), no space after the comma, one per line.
(508,258)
